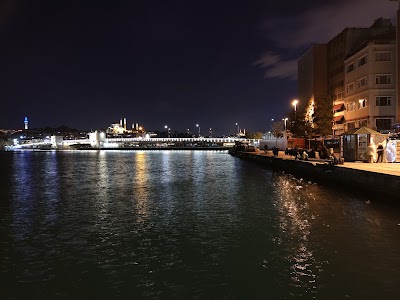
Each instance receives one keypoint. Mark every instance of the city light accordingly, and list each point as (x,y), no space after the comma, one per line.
(197,125)
(285,120)
(294,103)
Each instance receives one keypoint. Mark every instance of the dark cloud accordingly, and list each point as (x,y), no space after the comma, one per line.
(317,25)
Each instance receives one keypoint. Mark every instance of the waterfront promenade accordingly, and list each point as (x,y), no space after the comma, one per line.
(383,168)
(377,178)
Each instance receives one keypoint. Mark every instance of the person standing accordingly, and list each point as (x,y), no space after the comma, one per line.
(379,151)
(369,153)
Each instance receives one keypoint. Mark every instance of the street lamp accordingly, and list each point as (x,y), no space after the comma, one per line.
(294,103)
(237,124)
(285,120)
(168,130)
(197,125)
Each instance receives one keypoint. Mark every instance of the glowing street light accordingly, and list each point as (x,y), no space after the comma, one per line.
(168,130)
(285,120)
(237,125)
(294,103)
(197,125)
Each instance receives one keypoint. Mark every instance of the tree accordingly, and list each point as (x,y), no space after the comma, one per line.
(323,116)
(277,131)
(254,135)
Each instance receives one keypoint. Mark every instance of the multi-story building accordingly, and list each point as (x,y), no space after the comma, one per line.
(339,77)
(370,89)
(312,76)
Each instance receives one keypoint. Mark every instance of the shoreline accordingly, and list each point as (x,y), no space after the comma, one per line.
(124,149)
(348,176)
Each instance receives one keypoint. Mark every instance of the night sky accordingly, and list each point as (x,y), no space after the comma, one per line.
(86,64)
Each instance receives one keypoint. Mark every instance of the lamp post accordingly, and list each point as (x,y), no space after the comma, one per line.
(237,125)
(168,130)
(197,125)
(294,103)
(284,121)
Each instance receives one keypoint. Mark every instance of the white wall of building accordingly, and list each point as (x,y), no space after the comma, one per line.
(361,86)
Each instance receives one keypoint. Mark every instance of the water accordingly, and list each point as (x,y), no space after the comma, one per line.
(186,225)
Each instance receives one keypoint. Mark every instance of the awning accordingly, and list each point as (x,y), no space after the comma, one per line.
(338,119)
(338,107)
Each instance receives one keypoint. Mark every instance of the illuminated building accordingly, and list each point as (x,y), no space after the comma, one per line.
(315,78)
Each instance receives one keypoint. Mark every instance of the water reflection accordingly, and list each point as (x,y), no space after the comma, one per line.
(141,187)
(295,223)
(114,224)
(23,189)
(51,192)
(103,188)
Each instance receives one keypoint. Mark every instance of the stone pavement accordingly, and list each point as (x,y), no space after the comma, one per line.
(384,168)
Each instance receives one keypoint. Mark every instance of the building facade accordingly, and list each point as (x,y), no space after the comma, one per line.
(352,61)
(370,87)
(312,76)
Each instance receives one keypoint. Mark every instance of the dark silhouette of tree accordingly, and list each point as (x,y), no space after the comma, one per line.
(254,135)
(323,116)
(277,131)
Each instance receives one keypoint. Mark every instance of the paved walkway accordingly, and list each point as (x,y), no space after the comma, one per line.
(384,168)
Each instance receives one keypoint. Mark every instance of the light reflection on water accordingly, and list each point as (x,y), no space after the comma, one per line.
(190,224)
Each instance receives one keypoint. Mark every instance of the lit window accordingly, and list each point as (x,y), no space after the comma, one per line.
(362,103)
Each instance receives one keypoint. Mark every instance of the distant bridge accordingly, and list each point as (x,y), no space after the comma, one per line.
(98,140)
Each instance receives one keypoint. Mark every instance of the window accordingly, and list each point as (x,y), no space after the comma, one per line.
(362,82)
(351,125)
(383,101)
(383,56)
(383,124)
(350,68)
(362,61)
(338,96)
(363,123)
(350,88)
(362,103)
(383,79)
(350,106)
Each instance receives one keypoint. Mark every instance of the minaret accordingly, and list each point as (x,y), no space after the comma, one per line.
(124,124)
(26,123)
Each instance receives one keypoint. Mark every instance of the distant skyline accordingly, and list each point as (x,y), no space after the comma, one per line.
(87,64)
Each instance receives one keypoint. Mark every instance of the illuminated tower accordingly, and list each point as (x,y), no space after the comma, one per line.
(26,123)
